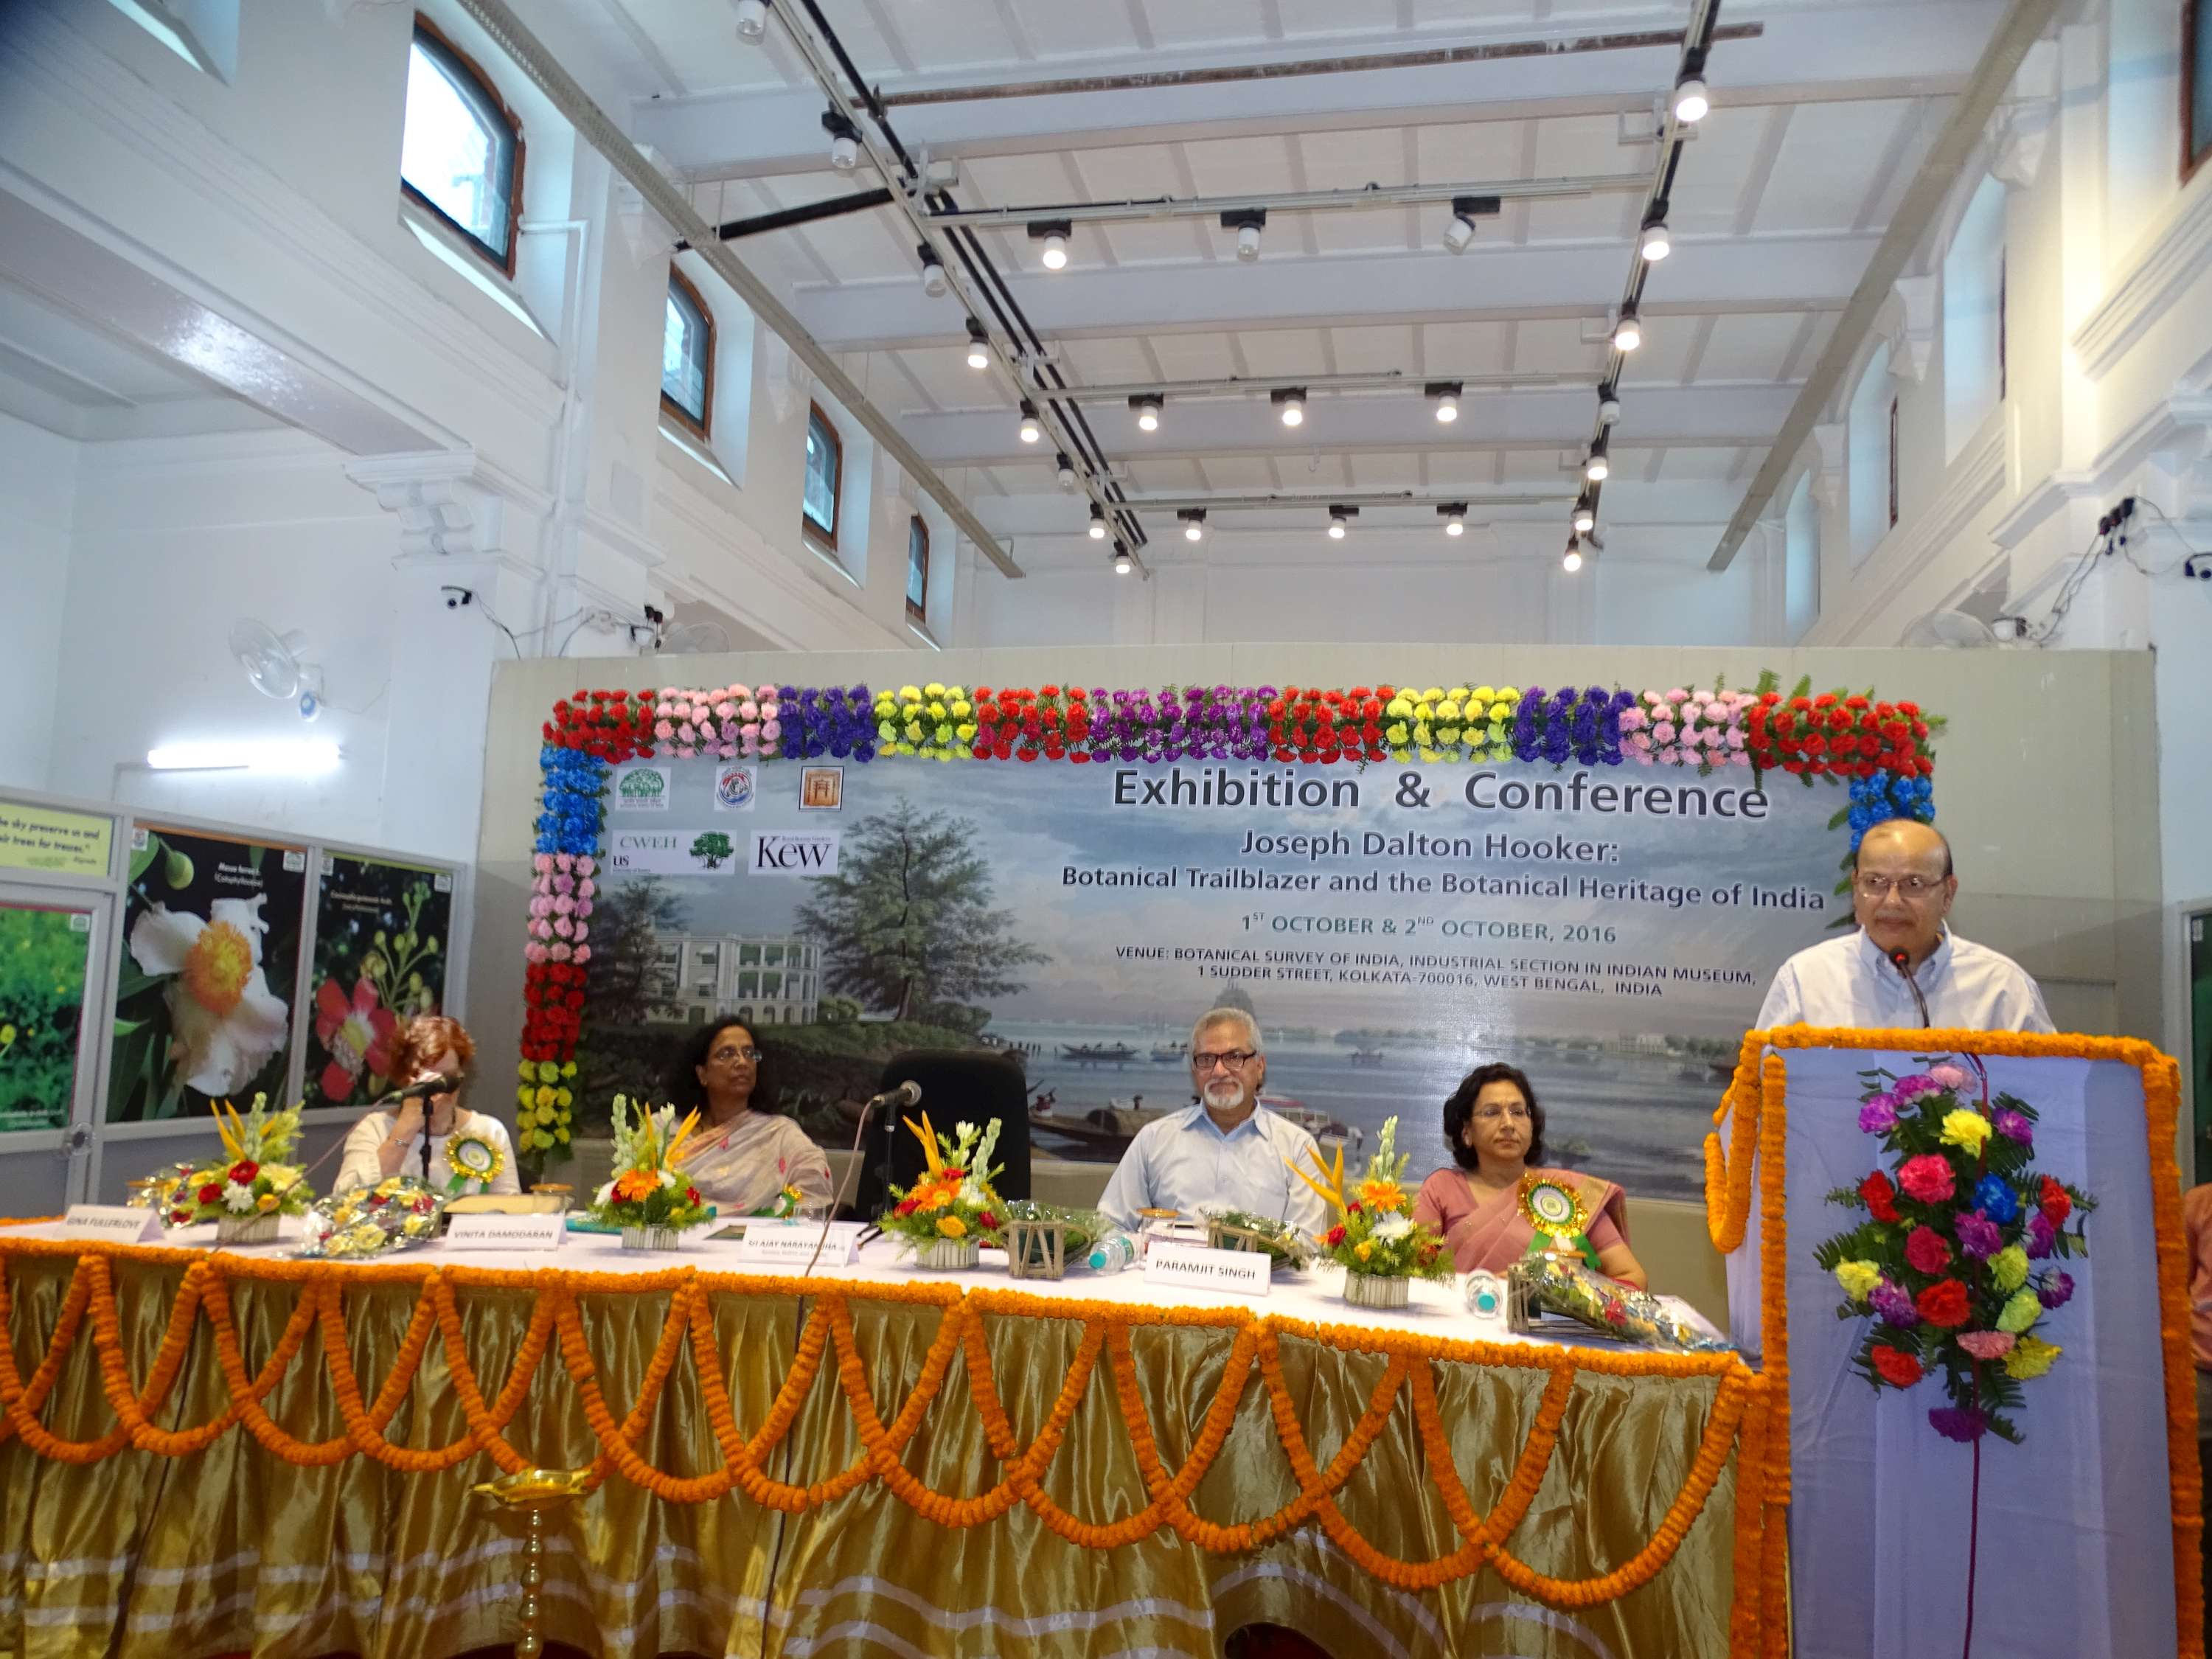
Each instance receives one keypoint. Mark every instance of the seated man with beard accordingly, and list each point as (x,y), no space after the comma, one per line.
(1226,1152)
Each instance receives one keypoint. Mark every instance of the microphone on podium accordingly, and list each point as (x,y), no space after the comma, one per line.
(1902,961)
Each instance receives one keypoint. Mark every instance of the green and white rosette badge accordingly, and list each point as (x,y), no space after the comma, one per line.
(1559,1216)
(476,1162)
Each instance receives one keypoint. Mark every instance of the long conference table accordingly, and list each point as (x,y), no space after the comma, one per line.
(208,1452)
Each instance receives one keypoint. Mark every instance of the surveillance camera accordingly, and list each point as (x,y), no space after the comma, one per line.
(456,597)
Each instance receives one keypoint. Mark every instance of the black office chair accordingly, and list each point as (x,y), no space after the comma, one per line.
(958,1086)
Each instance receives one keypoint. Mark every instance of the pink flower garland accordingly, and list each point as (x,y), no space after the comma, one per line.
(561,890)
(1700,728)
(728,722)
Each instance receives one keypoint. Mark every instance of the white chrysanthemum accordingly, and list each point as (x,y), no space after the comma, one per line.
(1393,1225)
(237,1199)
(971,1191)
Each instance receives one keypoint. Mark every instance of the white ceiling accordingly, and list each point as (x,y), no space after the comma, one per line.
(61,372)
(1819,123)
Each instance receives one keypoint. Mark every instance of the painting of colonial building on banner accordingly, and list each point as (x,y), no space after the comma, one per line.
(761,981)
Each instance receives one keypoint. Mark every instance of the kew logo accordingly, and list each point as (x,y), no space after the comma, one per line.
(777,854)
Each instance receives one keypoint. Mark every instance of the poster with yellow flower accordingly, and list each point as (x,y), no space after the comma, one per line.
(210,954)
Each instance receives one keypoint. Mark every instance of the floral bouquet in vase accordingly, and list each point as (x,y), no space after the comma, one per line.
(1376,1240)
(945,1217)
(256,1182)
(649,1200)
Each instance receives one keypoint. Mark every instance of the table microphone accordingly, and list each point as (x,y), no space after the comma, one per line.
(438,1083)
(907,1094)
(1902,961)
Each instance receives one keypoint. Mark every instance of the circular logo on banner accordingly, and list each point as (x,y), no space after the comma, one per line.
(733,787)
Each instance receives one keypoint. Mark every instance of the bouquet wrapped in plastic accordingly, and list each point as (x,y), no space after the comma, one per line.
(397,1213)
(1559,1284)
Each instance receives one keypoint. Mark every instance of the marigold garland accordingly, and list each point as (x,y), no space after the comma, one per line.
(1755,1114)
(1737,1423)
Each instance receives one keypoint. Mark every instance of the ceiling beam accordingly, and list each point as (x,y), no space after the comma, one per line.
(1923,199)
(1725,275)
(1828,53)
(1539,419)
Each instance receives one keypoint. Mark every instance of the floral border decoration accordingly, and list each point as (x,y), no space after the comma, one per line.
(1884,749)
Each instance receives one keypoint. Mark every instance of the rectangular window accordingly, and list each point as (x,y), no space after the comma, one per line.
(1892,463)
(825,467)
(2196,86)
(461,147)
(687,356)
(917,570)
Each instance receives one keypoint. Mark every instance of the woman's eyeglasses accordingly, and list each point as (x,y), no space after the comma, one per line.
(726,1055)
(1494,1114)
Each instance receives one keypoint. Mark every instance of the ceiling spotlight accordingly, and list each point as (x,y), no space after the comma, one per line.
(1585,517)
(1121,558)
(1291,400)
(1596,469)
(1030,431)
(1098,522)
(844,140)
(1247,222)
(979,345)
(1656,244)
(1446,392)
(932,274)
(1054,233)
(1573,562)
(1339,520)
(752,19)
(1066,469)
(1608,408)
(1459,234)
(1147,405)
(1193,523)
(1628,333)
(1692,101)
(1454,514)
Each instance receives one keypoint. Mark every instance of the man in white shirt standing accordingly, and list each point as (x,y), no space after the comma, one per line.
(1902,968)
(1228,1152)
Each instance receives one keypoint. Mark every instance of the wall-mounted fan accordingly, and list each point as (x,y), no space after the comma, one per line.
(274,666)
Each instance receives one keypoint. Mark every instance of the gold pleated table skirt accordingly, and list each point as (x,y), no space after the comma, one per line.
(855,1469)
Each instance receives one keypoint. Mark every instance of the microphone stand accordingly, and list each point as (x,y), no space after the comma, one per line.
(837,1199)
(1903,963)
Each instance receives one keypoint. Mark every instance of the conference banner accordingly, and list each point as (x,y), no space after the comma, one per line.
(1611,930)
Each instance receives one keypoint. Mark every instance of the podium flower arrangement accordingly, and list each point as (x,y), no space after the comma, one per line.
(1955,1265)
(945,1216)
(256,1182)
(648,1199)
(1376,1240)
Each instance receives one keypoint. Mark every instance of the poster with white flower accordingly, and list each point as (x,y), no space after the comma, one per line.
(210,954)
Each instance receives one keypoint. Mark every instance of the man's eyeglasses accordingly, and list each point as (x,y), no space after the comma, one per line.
(1235,1059)
(749,1052)
(1872,886)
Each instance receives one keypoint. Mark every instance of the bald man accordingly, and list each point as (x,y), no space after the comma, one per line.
(1903,968)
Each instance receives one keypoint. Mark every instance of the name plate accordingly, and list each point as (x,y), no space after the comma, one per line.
(505,1232)
(784,1245)
(1195,1267)
(119,1224)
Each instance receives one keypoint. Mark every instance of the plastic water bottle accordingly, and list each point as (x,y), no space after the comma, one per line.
(1111,1254)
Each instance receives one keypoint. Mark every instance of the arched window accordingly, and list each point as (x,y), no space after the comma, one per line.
(461,156)
(917,570)
(825,471)
(687,356)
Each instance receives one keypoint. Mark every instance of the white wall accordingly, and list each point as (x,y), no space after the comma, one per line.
(2109,333)
(38,483)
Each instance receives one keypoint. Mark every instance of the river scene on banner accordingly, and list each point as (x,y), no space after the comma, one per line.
(1610,930)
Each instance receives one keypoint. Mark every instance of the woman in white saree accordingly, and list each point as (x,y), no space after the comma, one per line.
(746,1159)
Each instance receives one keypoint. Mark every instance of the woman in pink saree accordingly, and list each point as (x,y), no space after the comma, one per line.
(1495,1129)
(745,1155)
